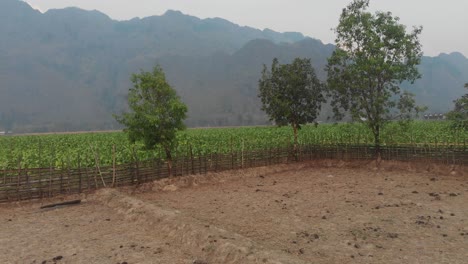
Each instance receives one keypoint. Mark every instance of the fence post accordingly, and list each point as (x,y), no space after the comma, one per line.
(88,181)
(137,168)
(68,174)
(40,171)
(191,159)
(463,161)
(79,174)
(61,178)
(232,156)
(40,183)
(199,164)
(113,166)
(158,169)
(242,154)
(98,168)
(50,180)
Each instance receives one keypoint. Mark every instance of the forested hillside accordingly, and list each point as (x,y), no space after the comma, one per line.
(69,69)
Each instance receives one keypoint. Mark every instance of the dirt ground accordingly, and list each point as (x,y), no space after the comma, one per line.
(317,212)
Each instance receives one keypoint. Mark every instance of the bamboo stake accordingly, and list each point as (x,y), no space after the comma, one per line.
(88,182)
(232,155)
(191,158)
(242,154)
(79,174)
(18,178)
(61,178)
(68,174)
(113,166)
(96,158)
(136,164)
(28,183)
(50,180)
(40,173)
(199,164)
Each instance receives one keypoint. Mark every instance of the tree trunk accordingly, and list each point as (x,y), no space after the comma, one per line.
(168,160)
(378,151)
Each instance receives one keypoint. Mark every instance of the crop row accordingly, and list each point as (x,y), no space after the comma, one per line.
(73,150)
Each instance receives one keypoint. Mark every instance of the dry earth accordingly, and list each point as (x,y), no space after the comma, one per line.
(318,212)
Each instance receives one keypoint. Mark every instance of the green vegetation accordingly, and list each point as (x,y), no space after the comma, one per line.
(291,93)
(459,115)
(374,56)
(157,112)
(73,150)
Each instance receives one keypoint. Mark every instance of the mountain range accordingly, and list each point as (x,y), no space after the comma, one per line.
(69,69)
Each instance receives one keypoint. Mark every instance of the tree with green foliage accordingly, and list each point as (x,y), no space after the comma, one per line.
(459,115)
(157,112)
(374,55)
(291,94)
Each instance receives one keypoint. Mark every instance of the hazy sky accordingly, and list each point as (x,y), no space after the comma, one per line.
(445,22)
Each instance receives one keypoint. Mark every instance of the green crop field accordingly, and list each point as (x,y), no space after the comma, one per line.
(73,150)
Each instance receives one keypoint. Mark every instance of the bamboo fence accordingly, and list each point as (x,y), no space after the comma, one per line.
(23,184)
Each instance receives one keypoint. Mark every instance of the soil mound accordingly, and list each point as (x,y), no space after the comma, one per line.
(213,244)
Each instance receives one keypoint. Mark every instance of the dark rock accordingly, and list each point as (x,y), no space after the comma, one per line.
(57,258)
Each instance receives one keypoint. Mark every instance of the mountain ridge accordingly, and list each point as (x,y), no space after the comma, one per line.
(69,69)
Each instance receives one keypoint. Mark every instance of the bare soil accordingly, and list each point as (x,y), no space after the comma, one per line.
(317,212)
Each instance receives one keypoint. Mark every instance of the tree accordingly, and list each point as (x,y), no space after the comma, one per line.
(374,55)
(157,112)
(459,115)
(291,94)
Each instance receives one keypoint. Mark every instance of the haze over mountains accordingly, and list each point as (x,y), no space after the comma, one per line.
(69,69)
